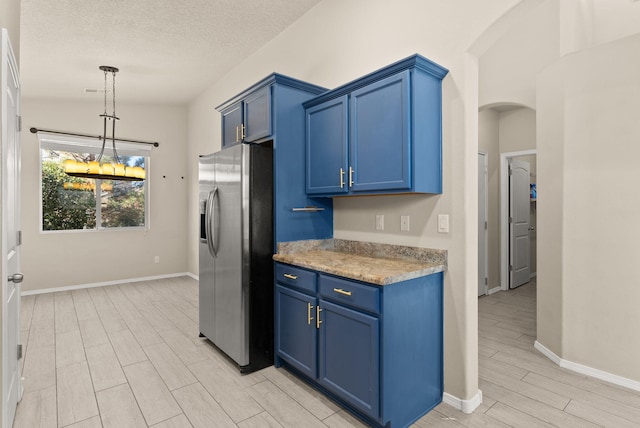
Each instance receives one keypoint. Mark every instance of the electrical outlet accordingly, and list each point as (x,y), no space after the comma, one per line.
(379,222)
(404,223)
(156,259)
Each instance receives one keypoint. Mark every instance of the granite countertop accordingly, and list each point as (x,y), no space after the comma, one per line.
(379,264)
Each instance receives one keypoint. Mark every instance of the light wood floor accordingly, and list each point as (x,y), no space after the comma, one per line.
(129,356)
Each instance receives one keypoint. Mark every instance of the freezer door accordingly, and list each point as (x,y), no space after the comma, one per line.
(206,260)
(230,298)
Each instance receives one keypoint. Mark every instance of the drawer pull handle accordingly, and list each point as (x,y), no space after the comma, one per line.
(309,317)
(341,291)
(318,322)
(341,178)
(288,275)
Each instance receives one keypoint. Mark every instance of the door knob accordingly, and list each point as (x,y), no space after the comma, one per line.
(15,278)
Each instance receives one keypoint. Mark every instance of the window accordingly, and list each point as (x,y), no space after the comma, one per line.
(74,203)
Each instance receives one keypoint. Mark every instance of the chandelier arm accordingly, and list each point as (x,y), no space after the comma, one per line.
(104,139)
(113,141)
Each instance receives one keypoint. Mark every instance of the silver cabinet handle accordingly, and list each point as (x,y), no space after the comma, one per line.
(307,209)
(16,278)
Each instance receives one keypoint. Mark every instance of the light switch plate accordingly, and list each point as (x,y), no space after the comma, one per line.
(379,222)
(404,223)
(443,223)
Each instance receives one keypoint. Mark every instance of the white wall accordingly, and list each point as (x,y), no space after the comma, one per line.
(508,69)
(77,258)
(615,19)
(10,19)
(489,142)
(588,161)
(340,40)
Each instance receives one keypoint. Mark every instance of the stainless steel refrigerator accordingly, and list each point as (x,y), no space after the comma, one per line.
(236,248)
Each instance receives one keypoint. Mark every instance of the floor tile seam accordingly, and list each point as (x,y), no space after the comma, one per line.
(515,412)
(508,364)
(83,420)
(109,333)
(520,392)
(177,356)
(603,410)
(243,389)
(83,350)
(208,393)
(136,398)
(93,388)
(618,388)
(293,398)
(312,390)
(591,398)
(526,397)
(95,310)
(95,391)
(104,300)
(100,412)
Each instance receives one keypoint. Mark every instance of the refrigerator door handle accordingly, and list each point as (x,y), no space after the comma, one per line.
(213,195)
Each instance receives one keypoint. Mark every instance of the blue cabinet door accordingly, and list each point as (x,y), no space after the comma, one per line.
(326,145)
(257,115)
(296,332)
(380,138)
(349,354)
(231,125)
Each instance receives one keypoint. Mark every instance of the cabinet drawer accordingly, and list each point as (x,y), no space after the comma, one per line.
(350,293)
(296,277)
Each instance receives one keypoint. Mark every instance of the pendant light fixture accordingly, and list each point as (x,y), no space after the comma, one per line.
(97,168)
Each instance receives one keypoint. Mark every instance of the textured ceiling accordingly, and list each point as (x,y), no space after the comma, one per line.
(167,50)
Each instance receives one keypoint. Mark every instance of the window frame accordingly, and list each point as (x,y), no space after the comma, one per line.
(79,144)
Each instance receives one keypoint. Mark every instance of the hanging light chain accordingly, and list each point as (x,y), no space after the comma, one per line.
(114,117)
(104,118)
(105,92)
(113,92)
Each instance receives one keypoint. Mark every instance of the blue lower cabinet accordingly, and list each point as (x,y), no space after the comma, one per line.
(349,352)
(297,338)
(377,350)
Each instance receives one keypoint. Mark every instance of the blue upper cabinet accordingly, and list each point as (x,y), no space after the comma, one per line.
(231,124)
(380,134)
(270,112)
(247,120)
(380,143)
(326,143)
(257,115)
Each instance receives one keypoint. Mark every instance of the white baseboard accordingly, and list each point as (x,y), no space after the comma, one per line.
(193,275)
(101,284)
(494,290)
(465,406)
(586,370)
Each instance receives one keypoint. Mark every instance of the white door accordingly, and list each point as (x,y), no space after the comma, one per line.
(519,247)
(482,224)
(11,277)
